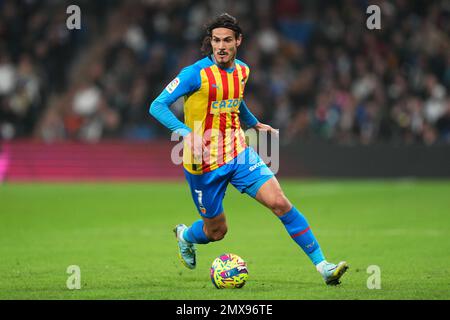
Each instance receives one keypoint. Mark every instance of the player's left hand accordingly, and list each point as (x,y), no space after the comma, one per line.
(265,127)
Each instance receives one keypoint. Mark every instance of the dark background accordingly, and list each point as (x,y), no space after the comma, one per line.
(348,101)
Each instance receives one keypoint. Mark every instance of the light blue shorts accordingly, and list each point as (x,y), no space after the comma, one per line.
(247,172)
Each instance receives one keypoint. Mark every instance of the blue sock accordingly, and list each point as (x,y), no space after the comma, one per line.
(195,233)
(299,230)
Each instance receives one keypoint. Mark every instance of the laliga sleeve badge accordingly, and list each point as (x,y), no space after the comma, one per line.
(173,85)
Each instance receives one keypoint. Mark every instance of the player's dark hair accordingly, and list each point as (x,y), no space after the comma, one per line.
(223,20)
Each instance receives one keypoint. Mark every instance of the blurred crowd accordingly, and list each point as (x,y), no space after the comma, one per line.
(317,71)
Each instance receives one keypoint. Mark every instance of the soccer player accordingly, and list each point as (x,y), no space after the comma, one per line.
(215,152)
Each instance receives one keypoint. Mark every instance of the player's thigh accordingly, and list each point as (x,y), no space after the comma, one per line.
(208,191)
(272,196)
(250,173)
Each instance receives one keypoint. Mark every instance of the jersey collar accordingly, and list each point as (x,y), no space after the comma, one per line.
(229,70)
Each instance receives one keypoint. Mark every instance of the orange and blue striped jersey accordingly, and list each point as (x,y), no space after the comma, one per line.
(213,100)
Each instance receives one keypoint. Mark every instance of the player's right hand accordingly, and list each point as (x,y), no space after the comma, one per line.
(196,145)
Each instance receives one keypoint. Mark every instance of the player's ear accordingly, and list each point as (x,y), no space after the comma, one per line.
(239,40)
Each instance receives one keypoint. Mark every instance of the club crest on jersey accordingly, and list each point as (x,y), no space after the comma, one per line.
(225,105)
(173,85)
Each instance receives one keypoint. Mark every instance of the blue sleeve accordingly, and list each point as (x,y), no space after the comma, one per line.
(246,115)
(187,81)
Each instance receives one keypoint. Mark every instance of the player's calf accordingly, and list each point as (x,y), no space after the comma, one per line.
(215,228)
(217,233)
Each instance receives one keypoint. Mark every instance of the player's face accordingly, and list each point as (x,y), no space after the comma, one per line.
(224,45)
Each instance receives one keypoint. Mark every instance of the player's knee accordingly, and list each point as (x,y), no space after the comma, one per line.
(218,233)
(280,204)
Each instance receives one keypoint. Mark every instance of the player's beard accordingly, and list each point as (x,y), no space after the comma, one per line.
(226,63)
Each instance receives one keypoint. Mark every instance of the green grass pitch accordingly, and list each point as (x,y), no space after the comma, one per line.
(120,235)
